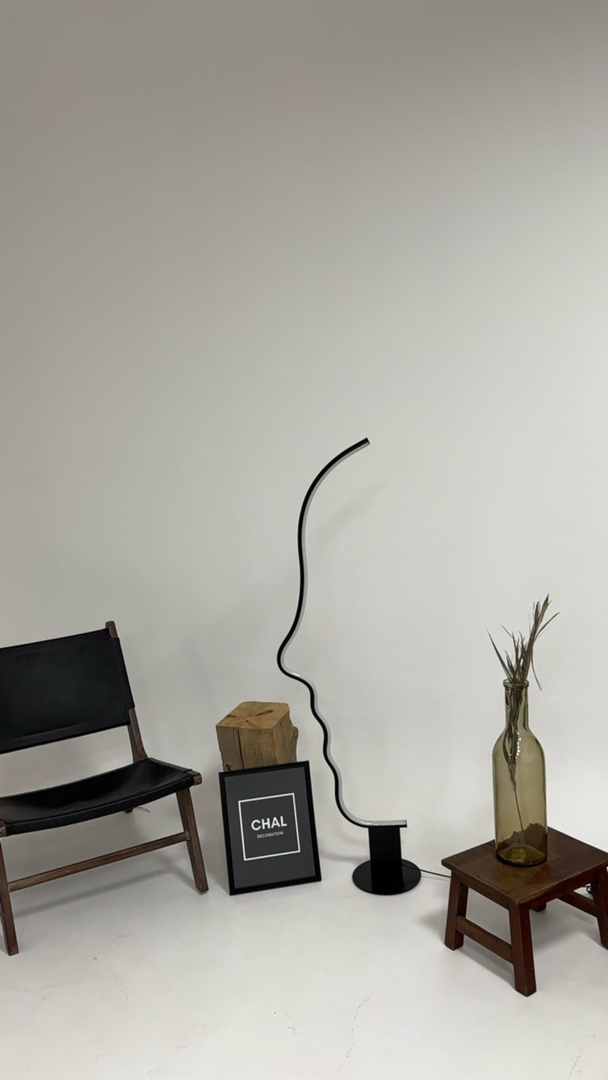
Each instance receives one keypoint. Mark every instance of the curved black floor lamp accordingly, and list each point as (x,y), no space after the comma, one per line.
(385,872)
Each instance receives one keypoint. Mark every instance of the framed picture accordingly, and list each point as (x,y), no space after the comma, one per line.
(269,827)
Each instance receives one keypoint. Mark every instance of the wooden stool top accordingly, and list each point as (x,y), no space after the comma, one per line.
(568,860)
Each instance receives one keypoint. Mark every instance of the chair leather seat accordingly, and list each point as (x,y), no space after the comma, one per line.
(95,796)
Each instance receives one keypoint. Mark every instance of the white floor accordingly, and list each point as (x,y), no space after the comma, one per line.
(126,973)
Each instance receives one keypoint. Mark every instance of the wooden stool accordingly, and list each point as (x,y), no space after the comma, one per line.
(522,889)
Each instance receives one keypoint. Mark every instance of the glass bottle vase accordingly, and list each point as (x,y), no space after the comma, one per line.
(520,800)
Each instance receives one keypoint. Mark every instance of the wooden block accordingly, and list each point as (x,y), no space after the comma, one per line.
(257,733)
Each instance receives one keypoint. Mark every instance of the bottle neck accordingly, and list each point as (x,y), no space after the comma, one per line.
(516,705)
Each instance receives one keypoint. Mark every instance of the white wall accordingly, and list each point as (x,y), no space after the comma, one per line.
(240,236)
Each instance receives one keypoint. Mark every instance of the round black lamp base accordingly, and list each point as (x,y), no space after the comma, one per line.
(408,879)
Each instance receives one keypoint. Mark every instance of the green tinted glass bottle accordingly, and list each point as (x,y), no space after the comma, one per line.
(520,801)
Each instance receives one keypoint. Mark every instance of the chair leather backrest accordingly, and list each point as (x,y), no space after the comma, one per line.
(58,689)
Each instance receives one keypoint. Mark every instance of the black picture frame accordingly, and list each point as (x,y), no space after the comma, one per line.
(269,827)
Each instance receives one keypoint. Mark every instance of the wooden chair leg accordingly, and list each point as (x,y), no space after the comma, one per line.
(457,905)
(6,912)
(599,892)
(186,810)
(521,947)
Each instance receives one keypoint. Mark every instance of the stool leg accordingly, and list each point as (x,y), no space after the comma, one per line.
(521,946)
(599,892)
(457,905)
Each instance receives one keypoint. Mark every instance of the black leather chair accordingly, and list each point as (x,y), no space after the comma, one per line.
(60,689)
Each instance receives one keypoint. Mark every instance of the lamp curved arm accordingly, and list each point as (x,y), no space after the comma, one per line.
(314,707)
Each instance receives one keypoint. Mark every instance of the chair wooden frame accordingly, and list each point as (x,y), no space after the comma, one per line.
(188,835)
